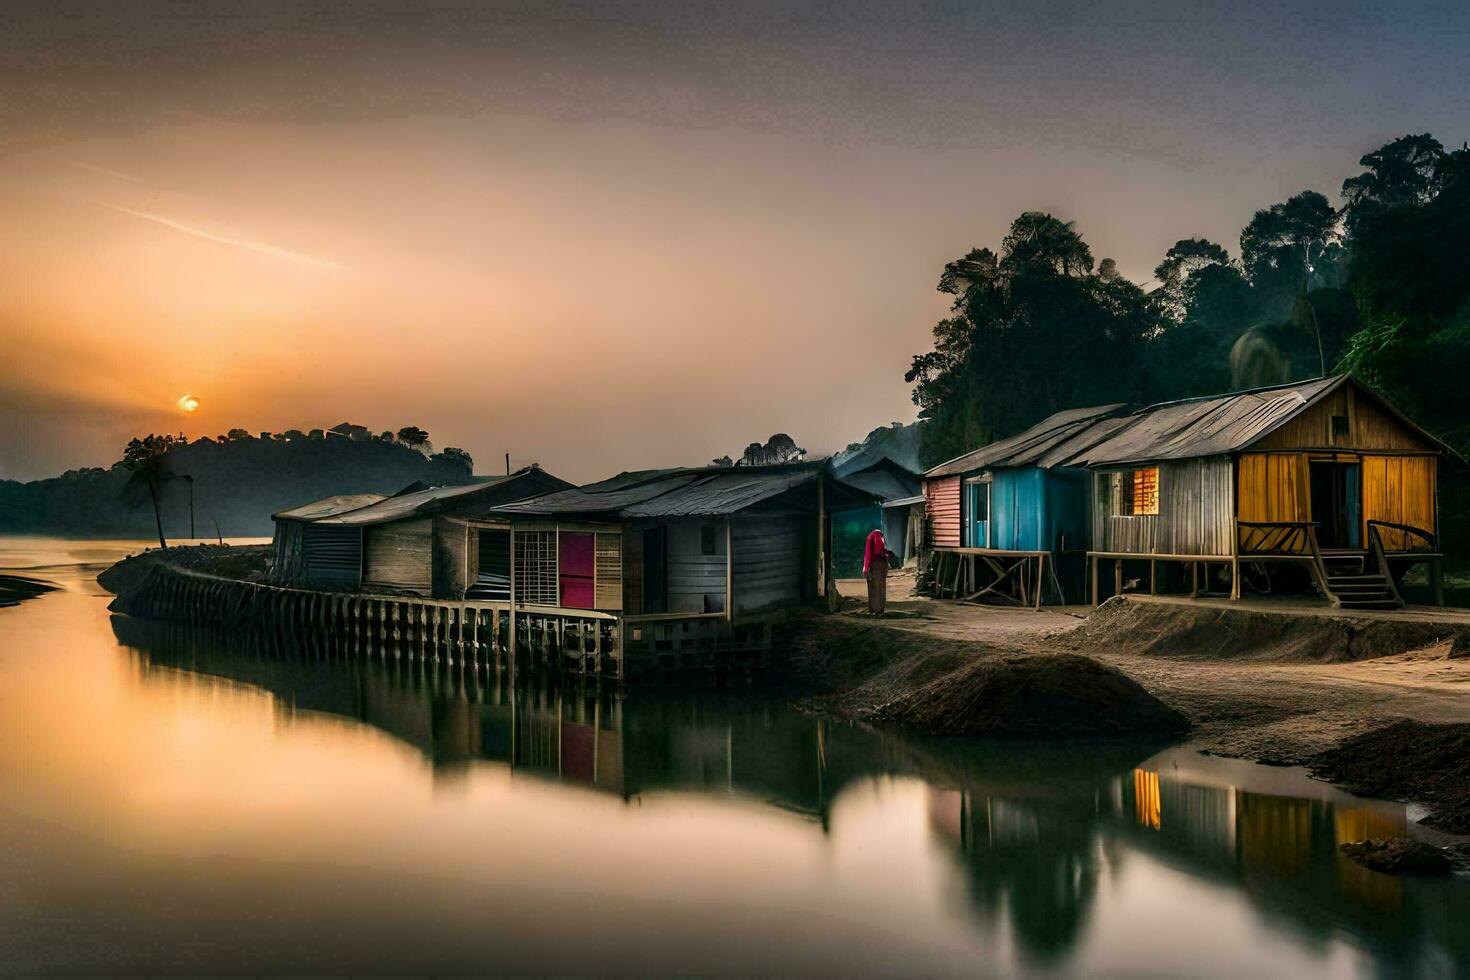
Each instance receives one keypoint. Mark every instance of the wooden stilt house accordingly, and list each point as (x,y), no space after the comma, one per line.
(415,542)
(1010,520)
(1321,484)
(680,557)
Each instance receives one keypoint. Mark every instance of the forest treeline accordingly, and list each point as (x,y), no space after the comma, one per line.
(1377,284)
(235,482)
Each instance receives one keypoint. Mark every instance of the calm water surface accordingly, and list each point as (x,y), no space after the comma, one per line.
(177,802)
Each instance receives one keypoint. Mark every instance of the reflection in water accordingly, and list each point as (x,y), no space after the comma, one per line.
(178,802)
(1034,830)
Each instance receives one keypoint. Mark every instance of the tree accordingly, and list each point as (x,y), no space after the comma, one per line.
(780,448)
(1406,171)
(722,462)
(237,435)
(146,459)
(1027,330)
(413,437)
(1184,259)
(1291,248)
(459,456)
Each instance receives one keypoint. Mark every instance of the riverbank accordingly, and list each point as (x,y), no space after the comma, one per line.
(1283,687)
(15,589)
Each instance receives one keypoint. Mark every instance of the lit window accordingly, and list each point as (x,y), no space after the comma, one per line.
(1144,496)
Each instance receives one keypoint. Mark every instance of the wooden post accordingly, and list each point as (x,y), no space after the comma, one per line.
(1040,578)
(1234,578)
(511,607)
(1117,576)
(1092,559)
(729,576)
(1193,579)
(1153,576)
(821,536)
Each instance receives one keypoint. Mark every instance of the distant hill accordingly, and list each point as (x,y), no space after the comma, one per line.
(898,442)
(237,483)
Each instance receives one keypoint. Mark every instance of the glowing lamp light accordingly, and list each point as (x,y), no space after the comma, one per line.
(188,403)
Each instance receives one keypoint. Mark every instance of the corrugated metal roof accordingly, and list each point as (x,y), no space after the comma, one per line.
(883,482)
(709,491)
(401,505)
(1047,443)
(1203,426)
(328,506)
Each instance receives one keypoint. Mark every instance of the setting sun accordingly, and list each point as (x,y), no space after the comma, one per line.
(188,403)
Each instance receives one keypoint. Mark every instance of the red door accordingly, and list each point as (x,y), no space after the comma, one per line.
(577,560)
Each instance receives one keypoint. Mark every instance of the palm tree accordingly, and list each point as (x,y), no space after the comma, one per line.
(146,458)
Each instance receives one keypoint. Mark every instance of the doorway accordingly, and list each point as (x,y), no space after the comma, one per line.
(1336,500)
(977,514)
(656,570)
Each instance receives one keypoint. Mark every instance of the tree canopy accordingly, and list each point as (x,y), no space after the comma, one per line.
(1379,286)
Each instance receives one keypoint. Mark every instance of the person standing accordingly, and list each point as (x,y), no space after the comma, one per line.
(876,557)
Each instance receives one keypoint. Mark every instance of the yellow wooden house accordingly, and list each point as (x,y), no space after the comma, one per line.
(1323,482)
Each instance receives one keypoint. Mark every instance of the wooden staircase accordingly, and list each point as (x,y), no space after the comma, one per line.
(1353,584)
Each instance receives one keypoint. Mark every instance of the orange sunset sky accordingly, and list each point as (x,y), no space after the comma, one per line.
(606,236)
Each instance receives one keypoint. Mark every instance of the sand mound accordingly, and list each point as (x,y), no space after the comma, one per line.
(1033,696)
(1407,760)
(1210,632)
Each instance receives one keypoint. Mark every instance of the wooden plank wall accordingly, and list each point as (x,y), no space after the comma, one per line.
(1369,427)
(1274,487)
(453,562)
(633,569)
(696,580)
(609,595)
(399,556)
(768,561)
(942,509)
(331,556)
(1195,517)
(1400,489)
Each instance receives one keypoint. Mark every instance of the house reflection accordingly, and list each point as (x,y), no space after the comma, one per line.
(1034,829)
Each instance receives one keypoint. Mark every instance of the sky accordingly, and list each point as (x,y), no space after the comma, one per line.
(605,236)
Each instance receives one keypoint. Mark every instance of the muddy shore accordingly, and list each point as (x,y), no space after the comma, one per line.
(1375,704)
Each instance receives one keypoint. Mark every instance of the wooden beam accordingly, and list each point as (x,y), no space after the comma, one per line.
(1093,560)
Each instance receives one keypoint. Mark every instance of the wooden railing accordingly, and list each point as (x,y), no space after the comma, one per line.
(1277,538)
(1407,531)
(1284,539)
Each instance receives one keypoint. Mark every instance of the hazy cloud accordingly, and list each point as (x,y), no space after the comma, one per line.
(264,248)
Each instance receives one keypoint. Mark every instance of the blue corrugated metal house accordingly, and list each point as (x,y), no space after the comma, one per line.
(1023,513)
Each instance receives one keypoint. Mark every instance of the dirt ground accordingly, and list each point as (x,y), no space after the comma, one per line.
(1272,683)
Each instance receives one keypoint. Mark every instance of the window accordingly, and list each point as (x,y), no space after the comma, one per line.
(1145,491)
(1134,493)
(1339,430)
(707,541)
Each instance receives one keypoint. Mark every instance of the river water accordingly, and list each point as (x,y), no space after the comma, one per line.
(178,802)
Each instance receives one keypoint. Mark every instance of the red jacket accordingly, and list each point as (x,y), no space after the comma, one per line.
(875,548)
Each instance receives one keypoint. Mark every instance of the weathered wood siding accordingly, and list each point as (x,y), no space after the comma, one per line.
(1195,517)
(1400,489)
(942,510)
(1369,427)
(632,569)
(696,579)
(286,569)
(609,571)
(398,556)
(331,556)
(768,559)
(1274,487)
(452,573)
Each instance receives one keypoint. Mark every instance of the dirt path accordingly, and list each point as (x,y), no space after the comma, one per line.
(1272,703)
